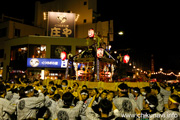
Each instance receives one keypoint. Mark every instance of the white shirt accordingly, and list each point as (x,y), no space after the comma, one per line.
(170,115)
(27,107)
(68,113)
(126,107)
(6,108)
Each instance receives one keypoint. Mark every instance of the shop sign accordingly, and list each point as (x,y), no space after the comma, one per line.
(61,24)
(46,63)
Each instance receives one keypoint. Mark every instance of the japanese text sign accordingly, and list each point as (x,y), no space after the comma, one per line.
(61,24)
(46,63)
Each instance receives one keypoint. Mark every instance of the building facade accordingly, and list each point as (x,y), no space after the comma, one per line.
(86,16)
(12,30)
(19,41)
(45,48)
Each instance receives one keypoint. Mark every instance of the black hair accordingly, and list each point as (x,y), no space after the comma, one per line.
(15,90)
(85,91)
(137,90)
(147,89)
(96,90)
(2,89)
(156,88)
(44,87)
(67,98)
(53,88)
(56,97)
(65,81)
(123,86)
(22,93)
(36,80)
(104,91)
(74,84)
(28,88)
(7,86)
(59,86)
(36,93)
(124,89)
(51,82)
(84,86)
(106,106)
(152,101)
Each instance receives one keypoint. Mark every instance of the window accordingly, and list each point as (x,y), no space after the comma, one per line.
(85,3)
(3,32)
(19,52)
(37,51)
(57,49)
(17,32)
(84,20)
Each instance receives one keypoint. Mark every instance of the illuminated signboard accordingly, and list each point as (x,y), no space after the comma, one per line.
(46,63)
(61,24)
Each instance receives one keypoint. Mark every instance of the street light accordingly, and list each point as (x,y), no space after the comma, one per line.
(120,32)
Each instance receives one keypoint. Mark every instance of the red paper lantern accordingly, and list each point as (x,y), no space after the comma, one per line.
(126,58)
(100,52)
(91,33)
(63,55)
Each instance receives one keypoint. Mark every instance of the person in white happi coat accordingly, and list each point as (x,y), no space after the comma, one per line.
(69,112)
(6,108)
(127,107)
(105,108)
(85,96)
(150,111)
(28,106)
(138,97)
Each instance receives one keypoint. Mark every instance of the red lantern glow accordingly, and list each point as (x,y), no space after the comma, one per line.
(100,52)
(126,58)
(63,55)
(91,33)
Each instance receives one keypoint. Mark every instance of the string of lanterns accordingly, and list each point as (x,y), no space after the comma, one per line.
(171,73)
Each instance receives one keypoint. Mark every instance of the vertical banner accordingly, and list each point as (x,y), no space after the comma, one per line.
(61,24)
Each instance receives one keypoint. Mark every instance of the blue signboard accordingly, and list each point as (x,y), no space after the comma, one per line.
(46,63)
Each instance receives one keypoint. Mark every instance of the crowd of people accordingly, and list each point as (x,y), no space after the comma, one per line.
(33,101)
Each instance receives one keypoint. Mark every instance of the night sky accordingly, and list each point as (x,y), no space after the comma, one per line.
(150,27)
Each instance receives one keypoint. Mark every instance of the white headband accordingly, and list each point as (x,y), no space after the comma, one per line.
(28,91)
(84,93)
(52,90)
(150,105)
